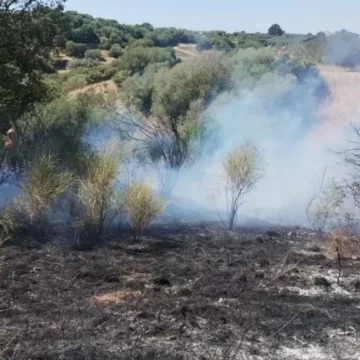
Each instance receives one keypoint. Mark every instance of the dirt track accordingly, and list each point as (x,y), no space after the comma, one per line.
(185,292)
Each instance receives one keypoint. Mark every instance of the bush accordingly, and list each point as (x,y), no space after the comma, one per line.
(83,63)
(116,51)
(96,200)
(94,54)
(141,207)
(136,60)
(141,43)
(105,43)
(241,172)
(75,49)
(120,77)
(41,186)
(76,81)
(203,45)
(100,73)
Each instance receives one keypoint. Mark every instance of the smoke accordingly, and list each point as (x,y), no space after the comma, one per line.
(281,117)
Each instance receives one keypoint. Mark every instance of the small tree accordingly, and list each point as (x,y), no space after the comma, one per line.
(241,170)
(276,30)
(141,207)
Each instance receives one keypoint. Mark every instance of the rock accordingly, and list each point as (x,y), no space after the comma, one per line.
(321,281)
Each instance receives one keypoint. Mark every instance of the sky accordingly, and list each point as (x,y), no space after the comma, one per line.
(300,16)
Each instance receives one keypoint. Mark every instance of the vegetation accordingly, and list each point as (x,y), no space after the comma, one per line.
(276,30)
(141,207)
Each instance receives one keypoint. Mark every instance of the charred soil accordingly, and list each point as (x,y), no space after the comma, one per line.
(184,292)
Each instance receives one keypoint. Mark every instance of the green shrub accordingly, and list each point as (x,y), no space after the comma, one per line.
(116,51)
(83,63)
(75,49)
(101,73)
(41,186)
(105,43)
(141,43)
(76,81)
(94,54)
(120,77)
(136,60)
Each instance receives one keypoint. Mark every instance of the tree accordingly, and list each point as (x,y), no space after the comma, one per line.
(242,170)
(276,30)
(31,29)
(86,34)
(116,51)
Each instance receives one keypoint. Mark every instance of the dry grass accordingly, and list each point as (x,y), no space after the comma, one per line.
(141,207)
(116,297)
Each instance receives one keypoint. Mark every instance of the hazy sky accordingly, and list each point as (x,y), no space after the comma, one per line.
(300,16)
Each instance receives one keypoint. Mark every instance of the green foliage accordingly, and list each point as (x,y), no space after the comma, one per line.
(85,34)
(83,63)
(105,43)
(76,81)
(42,184)
(141,43)
(75,49)
(137,59)
(116,51)
(29,30)
(203,45)
(120,77)
(276,30)
(196,79)
(138,89)
(101,73)
(94,54)
(166,37)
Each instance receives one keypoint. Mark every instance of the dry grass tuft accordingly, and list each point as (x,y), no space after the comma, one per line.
(141,207)
(116,297)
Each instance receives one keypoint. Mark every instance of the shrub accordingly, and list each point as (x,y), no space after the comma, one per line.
(241,168)
(141,207)
(85,63)
(41,186)
(76,81)
(141,43)
(94,54)
(105,43)
(96,199)
(120,77)
(75,49)
(116,51)
(100,73)
(136,60)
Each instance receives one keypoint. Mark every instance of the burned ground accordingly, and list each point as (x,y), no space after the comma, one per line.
(184,292)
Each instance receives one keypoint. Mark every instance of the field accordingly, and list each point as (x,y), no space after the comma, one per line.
(185,292)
